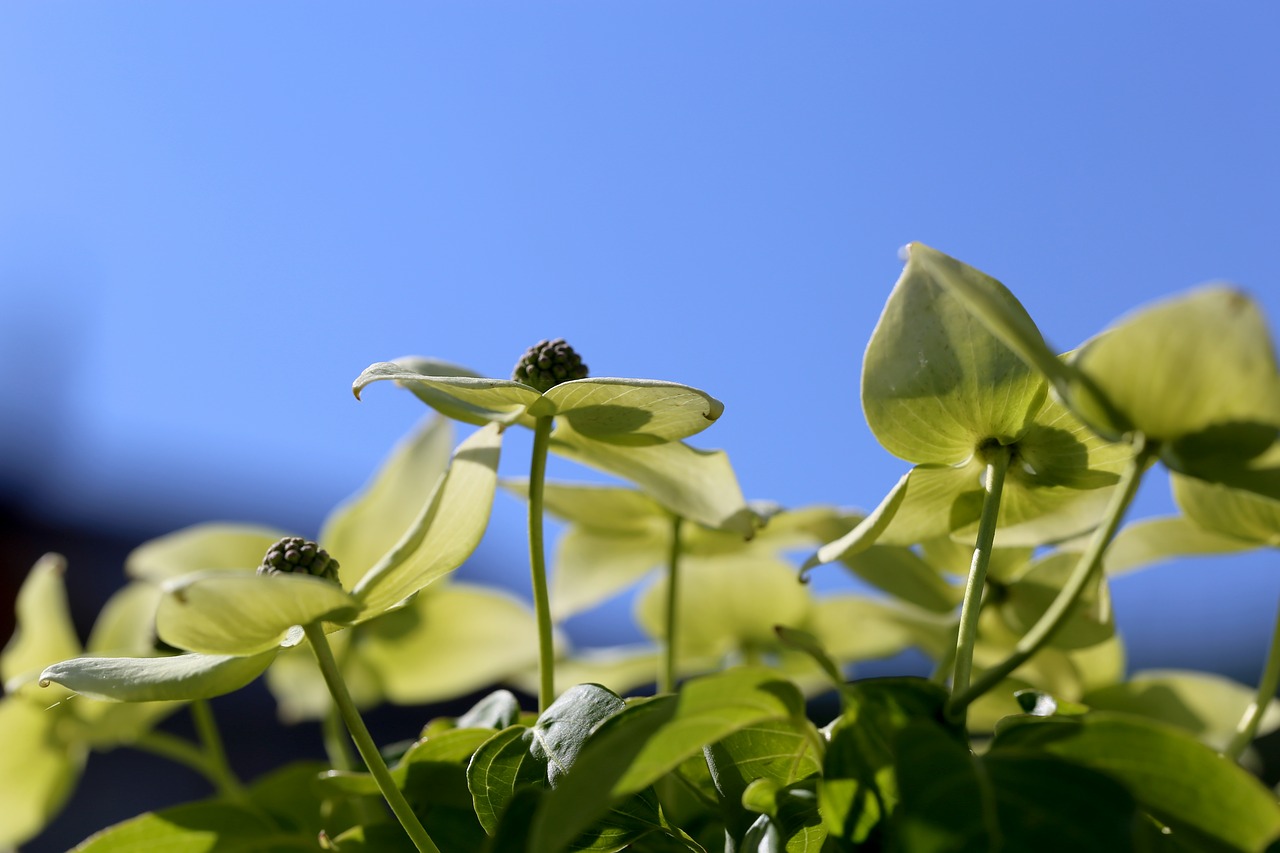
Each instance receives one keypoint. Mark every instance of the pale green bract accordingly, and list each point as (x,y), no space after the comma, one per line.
(47,734)
(418,519)
(939,389)
(631,428)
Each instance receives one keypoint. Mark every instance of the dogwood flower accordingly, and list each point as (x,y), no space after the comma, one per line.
(414,523)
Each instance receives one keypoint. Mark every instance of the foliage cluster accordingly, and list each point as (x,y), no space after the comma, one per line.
(992,554)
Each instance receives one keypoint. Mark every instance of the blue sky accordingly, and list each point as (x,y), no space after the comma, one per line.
(213,216)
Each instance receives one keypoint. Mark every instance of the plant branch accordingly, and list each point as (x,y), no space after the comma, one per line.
(1247,728)
(215,753)
(1089,564)
(538,564)
(967,632)
(364,741)
(667,675)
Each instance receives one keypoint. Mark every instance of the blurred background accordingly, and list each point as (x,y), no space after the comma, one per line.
(214,216)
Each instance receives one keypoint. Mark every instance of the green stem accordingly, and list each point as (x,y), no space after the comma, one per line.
(364,742)
(207,729)
(967,632)
(667,675)
(1247,728)
(189,755)
(1089,564)
(538,564)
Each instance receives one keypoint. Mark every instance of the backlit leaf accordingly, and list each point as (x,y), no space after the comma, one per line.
(175,677)
(199,548)
(634,412)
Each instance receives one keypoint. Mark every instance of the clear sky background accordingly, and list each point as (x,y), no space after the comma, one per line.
(213,216)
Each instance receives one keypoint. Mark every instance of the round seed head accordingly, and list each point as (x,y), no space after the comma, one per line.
(548,363)
(295,555)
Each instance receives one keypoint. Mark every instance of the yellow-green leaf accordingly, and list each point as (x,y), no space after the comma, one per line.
(241,613)
(634,412)
(445,533)
(37,769)
(176,677)
(470,399)
(199,548)
(369,524)
(44,632)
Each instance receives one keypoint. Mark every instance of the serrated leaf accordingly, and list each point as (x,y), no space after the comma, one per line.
(199,548)
(445,533)
(370,523)
(697,485)
(242,613)
(935,382)
(633,412)
(1179,780)
(172,678)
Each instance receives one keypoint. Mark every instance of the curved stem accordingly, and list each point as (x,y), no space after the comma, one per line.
(364,741)
(207,728)
(1089,564)
(1247,728)
(538,564)
(179,751)
(967,632)
(667,675)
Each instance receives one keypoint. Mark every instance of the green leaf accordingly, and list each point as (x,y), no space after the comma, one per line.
(43,629)
(370,523)
(935,382)
(204,827)
(1154,540)
(125,625)
(904,575)
(591,566)
(586,794)
(1208,706)
(803,641)
(709,709)
(199,548)
(242,613)
(1027,597)
(1241,515)
(192,676)
(470,399)
(38,769)
(697,485)
(448,641)
(540,755)
(998,310)
(606,508)
(945,799)
(790,820)
(633,412)
(858,789)
(500,767)
(752,593)
(865,533)
(855,627)
(445,533)
(1183,783)
(496,711)
(1198,369)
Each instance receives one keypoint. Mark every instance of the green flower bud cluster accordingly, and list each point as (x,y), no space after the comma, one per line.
(548,363)
(295,555)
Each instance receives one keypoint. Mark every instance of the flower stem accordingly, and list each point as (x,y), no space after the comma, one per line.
(364,742)
(667,675)
(538,564)
(1090,564)
(967,633)
(179,751)
(207,728)
(1247,728)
